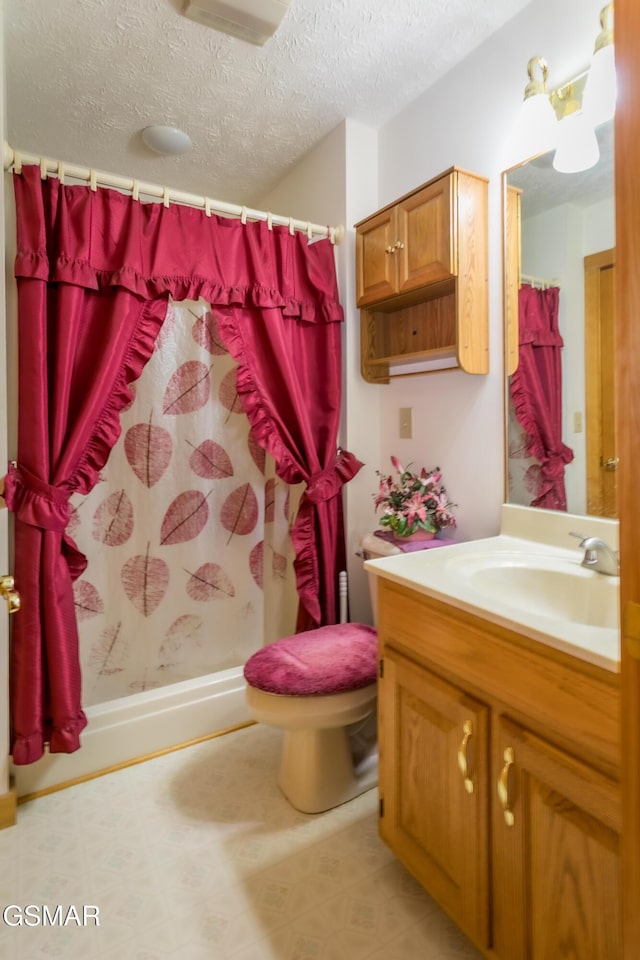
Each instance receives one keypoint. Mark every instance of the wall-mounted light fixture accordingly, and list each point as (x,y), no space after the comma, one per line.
(538,122)
(565,118)
(599,103)
(576,143)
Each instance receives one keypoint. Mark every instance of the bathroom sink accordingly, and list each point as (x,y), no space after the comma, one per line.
(561,590)
(534,588)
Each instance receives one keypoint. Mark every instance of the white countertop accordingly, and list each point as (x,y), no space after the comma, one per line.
(459,574)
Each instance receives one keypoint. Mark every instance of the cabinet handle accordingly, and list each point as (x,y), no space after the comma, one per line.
(463,763)
(391,249)
(503,787)
(399,245)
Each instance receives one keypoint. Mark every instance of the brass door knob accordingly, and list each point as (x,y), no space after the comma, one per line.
(11,595)
(611,464)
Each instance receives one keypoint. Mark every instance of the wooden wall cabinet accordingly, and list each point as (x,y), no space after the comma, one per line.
(499,780)
(422,285)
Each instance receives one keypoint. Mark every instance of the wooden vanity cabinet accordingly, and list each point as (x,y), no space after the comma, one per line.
(499,780)
(421,276)
(434,818)
(556,854)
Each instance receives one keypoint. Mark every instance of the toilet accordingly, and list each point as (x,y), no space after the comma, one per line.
(320,688)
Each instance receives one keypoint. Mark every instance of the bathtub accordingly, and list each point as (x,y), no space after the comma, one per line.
(139,725)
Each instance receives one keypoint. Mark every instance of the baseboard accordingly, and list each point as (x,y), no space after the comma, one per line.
(8,805)
(141,726)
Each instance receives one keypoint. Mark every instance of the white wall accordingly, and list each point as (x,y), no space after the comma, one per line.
(466,120)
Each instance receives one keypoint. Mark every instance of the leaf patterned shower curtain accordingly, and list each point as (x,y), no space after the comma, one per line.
(186,534)
(95,270)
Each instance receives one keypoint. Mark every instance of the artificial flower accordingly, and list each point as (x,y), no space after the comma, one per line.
(413,501)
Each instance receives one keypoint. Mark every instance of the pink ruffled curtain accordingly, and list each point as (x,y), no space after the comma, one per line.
(536,392)
(95,270)
(289,385)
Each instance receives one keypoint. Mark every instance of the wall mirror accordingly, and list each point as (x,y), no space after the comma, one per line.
(559,259)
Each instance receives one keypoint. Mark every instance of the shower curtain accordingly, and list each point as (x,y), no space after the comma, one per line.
(95,270)
(184,533)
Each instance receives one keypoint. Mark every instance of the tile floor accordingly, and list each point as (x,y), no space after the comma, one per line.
(196,855)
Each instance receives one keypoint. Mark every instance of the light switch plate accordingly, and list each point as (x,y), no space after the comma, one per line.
(405,423)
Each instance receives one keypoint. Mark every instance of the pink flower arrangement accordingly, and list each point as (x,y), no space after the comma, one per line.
(413,502)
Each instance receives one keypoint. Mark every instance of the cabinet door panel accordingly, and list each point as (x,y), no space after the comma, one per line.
(376,258)
(431,820)
(426,228)
(556,869)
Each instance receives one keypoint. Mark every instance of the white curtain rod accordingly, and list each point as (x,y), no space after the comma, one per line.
(539,281)
(13,159)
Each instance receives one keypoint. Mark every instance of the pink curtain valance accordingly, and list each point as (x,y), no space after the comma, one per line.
(101,238)
(94,272)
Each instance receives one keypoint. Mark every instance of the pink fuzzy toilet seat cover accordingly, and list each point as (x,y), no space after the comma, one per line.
(318,662)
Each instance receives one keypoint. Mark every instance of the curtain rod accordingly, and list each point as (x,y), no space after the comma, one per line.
(13,159)
(539,281)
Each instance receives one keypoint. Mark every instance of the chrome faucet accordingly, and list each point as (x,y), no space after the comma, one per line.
(598,555)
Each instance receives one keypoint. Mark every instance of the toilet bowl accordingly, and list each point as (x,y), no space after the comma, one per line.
(319,687)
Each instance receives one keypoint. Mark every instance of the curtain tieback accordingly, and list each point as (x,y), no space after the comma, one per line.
(553,466)
(35,502)
(327,483)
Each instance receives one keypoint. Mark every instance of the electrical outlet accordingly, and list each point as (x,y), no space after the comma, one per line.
(577,422)
(405,423)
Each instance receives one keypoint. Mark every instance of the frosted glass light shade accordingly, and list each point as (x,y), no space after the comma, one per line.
(577,147)
(537,127)
(599,99)
(166,140)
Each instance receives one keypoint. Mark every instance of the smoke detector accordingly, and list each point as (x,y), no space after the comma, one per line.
(251,20)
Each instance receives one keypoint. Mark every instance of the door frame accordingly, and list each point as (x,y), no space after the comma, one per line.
(7,793)
(594,264)
(627,138)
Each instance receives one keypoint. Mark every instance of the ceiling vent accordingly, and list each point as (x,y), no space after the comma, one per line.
(251,20)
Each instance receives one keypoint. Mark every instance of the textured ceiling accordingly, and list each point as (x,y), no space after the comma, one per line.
(85,76)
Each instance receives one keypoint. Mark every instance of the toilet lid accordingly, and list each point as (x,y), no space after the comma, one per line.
(327,660)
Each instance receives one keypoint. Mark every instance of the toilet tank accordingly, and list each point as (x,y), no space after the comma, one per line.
(372,548)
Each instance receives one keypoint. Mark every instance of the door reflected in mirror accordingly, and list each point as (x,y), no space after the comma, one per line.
(559,256)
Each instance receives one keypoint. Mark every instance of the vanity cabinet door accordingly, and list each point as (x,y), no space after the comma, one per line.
(556,846)
(433,746)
